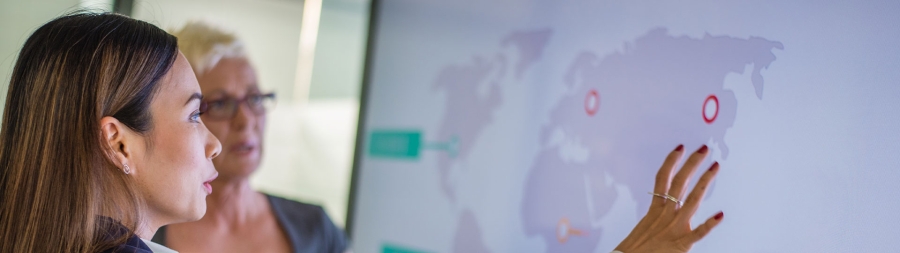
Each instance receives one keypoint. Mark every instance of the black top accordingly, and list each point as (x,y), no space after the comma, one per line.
(133,245)
(307,226)
(114,229)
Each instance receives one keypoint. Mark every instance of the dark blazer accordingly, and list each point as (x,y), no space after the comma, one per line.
(133,245)
(307,226)
(114,230)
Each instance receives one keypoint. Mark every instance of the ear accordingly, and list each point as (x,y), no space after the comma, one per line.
(114,135)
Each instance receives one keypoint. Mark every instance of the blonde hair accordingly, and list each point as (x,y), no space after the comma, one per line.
(205,44)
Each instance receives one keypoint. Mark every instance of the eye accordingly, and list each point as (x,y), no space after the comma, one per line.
(255,99)
(195,117)
(215,104)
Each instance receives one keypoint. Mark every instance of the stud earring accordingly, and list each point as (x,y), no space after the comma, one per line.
(127,170)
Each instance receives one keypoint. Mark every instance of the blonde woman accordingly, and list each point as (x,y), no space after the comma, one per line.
(240,219)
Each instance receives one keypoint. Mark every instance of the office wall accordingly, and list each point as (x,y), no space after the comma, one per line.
(313,156)
(18,19)
(269,28)
(340,50)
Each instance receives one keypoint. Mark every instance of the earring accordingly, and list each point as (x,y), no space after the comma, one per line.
(127,170)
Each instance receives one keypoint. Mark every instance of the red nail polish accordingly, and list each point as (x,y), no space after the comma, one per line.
(714,166)
(679,148)
(703,149)
(719,216)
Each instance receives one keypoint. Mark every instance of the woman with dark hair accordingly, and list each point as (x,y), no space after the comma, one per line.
(101,142)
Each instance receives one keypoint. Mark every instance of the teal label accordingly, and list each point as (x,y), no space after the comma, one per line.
(395,144)
(394,249)
(406,145)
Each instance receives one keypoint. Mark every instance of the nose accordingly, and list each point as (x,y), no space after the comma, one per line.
(213,146)
(242,117)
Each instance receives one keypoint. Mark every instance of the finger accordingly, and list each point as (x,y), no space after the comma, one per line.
(681,178)
(664,175)
(696,196)
(702,230)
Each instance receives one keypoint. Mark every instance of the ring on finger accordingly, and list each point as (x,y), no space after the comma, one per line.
(667,197)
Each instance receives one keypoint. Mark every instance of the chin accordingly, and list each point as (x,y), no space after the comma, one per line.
(198,212)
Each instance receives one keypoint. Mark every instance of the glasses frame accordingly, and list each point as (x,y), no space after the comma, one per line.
(238,103)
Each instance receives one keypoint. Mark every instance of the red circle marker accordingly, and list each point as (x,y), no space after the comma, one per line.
(592,102)
(711,99)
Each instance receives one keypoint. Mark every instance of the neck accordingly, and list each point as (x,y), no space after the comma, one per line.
(146,228)
(146,231)
(233,201)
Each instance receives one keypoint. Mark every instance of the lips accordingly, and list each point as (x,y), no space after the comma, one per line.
(206,184)
(243,148)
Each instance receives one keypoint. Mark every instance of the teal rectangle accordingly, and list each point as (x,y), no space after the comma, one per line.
(395,144)
(387,248)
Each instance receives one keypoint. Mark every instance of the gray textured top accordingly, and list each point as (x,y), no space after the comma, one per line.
(307,226)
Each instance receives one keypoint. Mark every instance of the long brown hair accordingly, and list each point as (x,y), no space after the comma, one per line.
(59,189)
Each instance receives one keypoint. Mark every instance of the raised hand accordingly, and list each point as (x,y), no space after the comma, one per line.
(667,225)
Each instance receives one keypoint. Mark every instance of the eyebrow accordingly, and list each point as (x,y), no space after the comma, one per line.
(253,87)
(196,96)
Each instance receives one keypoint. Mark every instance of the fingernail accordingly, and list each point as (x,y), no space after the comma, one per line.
(703,150)
(679,148)
(719,216)
(714,166)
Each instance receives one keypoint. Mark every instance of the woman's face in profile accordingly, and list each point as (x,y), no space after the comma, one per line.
(241,131)
(175,165)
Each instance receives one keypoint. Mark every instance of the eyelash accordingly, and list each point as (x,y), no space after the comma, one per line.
(195,117)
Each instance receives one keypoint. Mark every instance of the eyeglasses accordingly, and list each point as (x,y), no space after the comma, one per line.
(226,108)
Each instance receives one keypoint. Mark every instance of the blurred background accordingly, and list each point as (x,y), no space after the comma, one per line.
(310,53)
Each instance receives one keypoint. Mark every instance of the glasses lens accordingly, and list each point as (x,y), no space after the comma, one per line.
(221,109)
(261,102)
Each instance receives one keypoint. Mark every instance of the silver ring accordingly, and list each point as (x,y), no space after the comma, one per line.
(668,197)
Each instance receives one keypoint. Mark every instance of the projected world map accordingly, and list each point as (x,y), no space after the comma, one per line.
(660,88)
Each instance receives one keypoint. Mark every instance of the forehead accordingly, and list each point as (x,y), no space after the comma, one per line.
(178,85)
(230,76)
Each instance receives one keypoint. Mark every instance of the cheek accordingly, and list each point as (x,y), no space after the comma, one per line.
(181,157)
(182,148)
(261,125)
(175,169)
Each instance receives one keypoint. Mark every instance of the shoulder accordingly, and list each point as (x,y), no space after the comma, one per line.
(299,215)
(295,209)
(133,245)
(308,225)
(112,230)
